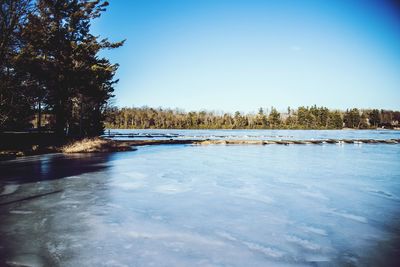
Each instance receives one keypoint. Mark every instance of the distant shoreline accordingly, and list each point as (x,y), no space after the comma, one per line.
(303,117)
(245,129)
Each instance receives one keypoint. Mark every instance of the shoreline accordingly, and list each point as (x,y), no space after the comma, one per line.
(105,145)
(87,145)
(257,142)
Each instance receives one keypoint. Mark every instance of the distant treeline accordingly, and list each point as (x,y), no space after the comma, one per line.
(301,118)
(50,64)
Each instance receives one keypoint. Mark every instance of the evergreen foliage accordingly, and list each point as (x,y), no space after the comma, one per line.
(49,59)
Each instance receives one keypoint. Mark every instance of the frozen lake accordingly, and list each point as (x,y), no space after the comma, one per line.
(253,134)
(185,205)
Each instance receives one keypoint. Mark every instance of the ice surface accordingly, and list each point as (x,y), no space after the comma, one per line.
(252,134)
(186,205)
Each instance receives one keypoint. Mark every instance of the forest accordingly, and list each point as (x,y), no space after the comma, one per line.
(301,118)
(50,64)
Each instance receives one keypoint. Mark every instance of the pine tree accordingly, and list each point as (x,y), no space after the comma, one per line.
(374,118)
(15,95)
(65,54)
(274,118)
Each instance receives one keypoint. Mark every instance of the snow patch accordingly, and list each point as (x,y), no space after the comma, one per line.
(302,242)
(269,252)
(9,189)
(21,212)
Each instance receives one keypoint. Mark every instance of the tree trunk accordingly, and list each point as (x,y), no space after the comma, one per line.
(60,121)
(39,120)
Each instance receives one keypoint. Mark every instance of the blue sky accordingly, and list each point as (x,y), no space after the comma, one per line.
(241,55)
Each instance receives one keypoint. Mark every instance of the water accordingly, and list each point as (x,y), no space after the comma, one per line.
(253,134)
(185,205)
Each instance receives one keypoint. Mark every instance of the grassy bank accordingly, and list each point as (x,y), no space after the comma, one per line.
(14,145)
(91,145)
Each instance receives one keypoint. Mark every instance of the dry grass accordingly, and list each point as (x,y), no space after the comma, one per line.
(97,144)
